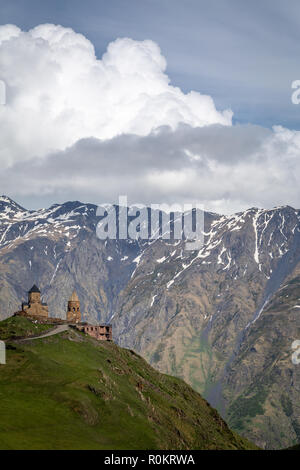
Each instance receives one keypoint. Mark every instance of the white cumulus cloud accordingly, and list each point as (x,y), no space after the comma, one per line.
(79,127)
(58,92)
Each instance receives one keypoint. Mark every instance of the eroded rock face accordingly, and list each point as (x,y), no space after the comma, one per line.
(216,317)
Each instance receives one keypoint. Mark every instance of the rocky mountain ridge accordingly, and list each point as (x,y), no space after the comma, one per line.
(194,314)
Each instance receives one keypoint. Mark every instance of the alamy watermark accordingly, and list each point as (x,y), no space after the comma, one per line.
(168,222)
(2,93)
(296,353)
(296,94)
(2,353)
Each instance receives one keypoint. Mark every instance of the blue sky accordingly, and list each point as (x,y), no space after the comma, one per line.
(244,54)
(80,127)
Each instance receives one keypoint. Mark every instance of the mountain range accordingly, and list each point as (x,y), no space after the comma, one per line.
(222,317)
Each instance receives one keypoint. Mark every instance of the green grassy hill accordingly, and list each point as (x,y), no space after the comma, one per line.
(15,327)
(69,391)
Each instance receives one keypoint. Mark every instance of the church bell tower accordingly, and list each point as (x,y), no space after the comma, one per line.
(73,313)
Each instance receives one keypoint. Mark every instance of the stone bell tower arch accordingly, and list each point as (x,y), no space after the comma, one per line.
(73,312)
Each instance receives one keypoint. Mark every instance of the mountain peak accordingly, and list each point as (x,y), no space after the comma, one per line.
(7,200)
(4,198)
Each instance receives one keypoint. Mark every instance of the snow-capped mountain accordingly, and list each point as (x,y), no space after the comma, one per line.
(58,249)
(222,317)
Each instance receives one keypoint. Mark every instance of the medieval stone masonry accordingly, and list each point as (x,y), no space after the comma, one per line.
(73,313)
(35,307)
(99,332)
(37,310)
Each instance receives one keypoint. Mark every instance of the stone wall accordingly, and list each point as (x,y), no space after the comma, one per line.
(36,310)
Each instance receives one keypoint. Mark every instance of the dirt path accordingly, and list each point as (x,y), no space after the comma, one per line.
(55,331)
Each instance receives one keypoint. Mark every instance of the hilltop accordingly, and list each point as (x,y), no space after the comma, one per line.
(223,318)
(69,391)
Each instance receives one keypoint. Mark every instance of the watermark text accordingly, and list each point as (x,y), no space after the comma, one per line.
(2,93)
(296,353)
(296,94)
(168,222)
(2,353)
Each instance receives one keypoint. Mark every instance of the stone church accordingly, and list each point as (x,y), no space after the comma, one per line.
(37,310)
(34,307)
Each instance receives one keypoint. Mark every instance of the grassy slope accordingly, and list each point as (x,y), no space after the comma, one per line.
(19,326)
(69,391)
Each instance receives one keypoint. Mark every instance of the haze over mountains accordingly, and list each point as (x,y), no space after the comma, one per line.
(223,318)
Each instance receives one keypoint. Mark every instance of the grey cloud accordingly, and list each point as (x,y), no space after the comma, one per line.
(225,168)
